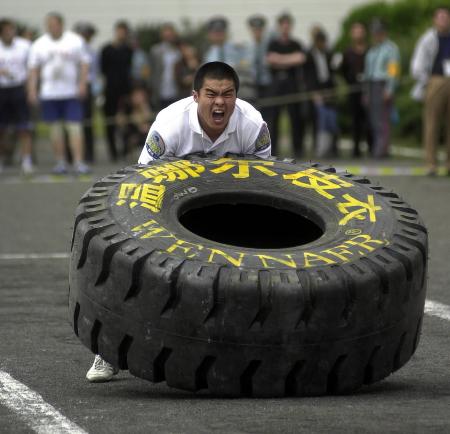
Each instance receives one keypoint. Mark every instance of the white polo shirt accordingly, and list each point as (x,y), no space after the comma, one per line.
(59,61)
(176,132)
(13,61)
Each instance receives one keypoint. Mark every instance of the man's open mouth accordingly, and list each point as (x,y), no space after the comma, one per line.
(218,115)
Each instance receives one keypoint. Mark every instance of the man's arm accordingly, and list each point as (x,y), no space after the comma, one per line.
(85,65)
(393,71)
(33,65)
(32,90)
(423,57)
(285,61)
(261,146)
(105,63)
(82,85)
(154,147)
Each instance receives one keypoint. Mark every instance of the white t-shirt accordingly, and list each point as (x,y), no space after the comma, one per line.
(13,61)
(59,61)
(176,132)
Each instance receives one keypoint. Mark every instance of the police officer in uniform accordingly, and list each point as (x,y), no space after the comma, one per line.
(221,49)
(211,121)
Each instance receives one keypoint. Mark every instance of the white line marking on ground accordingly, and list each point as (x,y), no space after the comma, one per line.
(437,309)
(19,256)
(32,409)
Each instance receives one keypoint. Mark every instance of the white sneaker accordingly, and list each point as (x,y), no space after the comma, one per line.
(27,167)
(101,371)
(82,168)
(60,168)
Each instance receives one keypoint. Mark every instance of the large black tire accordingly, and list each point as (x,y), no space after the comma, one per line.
(322,292)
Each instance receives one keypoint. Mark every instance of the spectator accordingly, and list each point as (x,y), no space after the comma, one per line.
(260,70)
(381,72)
(222,50)
(430,66)
(321,81)
(286,57)
(27,33)
(60,63)
(186,68)
(353,72)
(163,58)
(87,31)
(14,109)
(140,63)
(115,65)
(134,118)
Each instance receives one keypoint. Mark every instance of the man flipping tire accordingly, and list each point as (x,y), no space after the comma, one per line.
(212,121)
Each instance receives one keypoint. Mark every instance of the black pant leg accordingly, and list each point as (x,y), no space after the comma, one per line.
(87,128)
(272,123)
(297,128)
(264,92)
(110,110)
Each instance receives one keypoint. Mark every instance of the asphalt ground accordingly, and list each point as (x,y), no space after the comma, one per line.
(39,349)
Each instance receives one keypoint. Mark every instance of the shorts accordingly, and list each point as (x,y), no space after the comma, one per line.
(14,110)
(70,110)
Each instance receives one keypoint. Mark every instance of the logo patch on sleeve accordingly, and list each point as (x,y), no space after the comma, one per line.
(263,139)
(155,145)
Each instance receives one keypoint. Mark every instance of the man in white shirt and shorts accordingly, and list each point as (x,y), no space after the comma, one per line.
(212,121)
(60,62)
(14,110)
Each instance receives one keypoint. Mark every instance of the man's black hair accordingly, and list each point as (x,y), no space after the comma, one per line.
(285,16)
(5,22)
(215,70)
(358,23)
(122,24)
(57,16)
(441,8)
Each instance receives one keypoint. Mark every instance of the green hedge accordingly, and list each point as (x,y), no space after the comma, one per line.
(407,20)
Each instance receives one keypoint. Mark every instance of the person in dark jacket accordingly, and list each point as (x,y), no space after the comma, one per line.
(320,79)
(285,57)
(352,69)
(115,65)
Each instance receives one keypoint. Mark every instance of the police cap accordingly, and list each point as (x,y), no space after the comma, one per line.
(257,21)
(217,24)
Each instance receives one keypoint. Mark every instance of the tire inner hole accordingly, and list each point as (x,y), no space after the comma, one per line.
(250,225)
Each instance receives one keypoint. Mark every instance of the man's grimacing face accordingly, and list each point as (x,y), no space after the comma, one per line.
(216,101)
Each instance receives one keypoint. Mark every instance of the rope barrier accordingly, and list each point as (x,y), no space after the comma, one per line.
(273,101)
